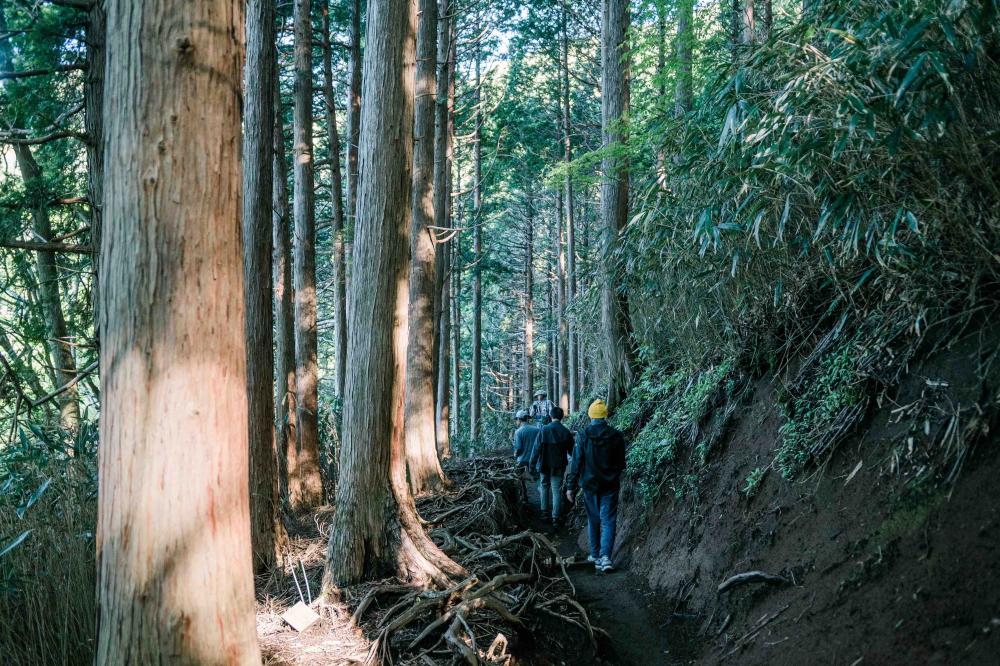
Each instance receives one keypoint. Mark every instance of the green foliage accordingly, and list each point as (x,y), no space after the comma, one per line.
(811,415)
(681,399)
(753,481)
(48,510)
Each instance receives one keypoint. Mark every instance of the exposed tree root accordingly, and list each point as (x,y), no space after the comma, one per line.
(513,581)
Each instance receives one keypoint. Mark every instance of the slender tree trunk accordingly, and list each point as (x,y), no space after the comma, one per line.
(661,89)
(475,406)
(376,530)
(614,195)
(561,328)
(425,472)
(527,386)
(337,199)
(552,372)
(442,220)
(749,23)
(456,296)
(284,307)
(572,340)
(305,486)
(767,19)
(354,112)
(684,49)
(267,534)
(56,332)
(175,579)
(93,96)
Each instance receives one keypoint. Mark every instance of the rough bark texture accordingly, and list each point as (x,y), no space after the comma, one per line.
(337,197)
(305,486)
(284,308)
(267,533)
(175,580)
(749,35)
(456,293)
(376,530)
(475,397)
(614,195)
(442,220)
(425,472)
(57,336)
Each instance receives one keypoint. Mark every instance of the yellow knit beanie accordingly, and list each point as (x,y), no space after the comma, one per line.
(598,410)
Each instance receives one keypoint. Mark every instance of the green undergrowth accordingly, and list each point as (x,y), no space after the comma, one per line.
(811,415)
(682,399)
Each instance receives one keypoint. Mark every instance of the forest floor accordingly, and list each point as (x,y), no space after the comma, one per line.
(554,608)
(642,626)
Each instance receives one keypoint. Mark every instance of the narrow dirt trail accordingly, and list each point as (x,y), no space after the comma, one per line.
(637,622)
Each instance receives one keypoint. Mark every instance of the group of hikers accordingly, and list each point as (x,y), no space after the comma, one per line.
(594,459)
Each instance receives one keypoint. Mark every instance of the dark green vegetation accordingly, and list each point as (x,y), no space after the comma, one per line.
(814,209)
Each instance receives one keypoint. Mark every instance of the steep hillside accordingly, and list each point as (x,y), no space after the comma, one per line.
(887,534)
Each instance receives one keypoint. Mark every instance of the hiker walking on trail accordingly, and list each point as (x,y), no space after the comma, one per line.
(541,408)
(524,438)
(548,458)
(597,465)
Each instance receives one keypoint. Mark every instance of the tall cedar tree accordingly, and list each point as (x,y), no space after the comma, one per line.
(376,530)
(475,398)
(266,531)
(305,486)
(442,220)
(175,579)
(614,195)
(421,447)
(337,200)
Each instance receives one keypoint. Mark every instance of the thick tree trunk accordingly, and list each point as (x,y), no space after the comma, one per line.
(57,335)
(442,220)
(267,534)
(475,397)
(305,486)
(284,309)
(376,530)
(337,200)
(425,472)
(614,195)
(175,579)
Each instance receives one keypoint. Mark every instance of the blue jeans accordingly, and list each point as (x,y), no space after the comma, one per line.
(550,492)
(602,518)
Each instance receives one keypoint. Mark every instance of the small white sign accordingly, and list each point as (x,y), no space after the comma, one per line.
(300,617)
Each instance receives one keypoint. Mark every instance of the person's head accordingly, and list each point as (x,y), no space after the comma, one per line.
(540,395)
(557,413)
(521,417)
(598,409)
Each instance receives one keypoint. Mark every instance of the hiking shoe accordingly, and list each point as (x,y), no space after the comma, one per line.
(604,564)
(592,559)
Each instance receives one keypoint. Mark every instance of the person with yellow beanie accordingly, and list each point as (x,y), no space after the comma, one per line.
(597,465)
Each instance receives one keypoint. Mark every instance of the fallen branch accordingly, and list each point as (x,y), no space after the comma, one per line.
(751,577)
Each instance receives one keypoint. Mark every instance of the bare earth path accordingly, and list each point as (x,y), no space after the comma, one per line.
(639,626)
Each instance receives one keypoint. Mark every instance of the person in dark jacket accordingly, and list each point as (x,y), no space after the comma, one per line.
(597,465)
(524,438)
(548,458)
(541,409)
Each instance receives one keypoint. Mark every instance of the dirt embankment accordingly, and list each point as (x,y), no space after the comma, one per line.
(881,568)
